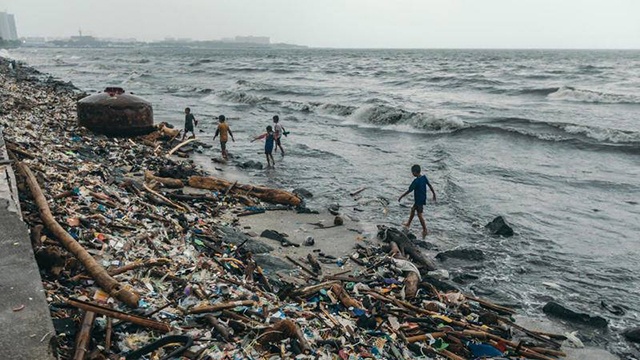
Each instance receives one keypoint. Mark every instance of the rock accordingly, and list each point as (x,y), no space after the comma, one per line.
(251,165)
(337,221)
(334,209)
(463,254)
(442,285)
(464,278)
(232,236)
(632,334)
(273,235)
(500,227)
(271,263)
(559,311)
(303,193)
(309,241)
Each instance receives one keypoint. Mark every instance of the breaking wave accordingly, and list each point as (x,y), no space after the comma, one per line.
(558,132)
(567,93)
(244,98)
(393,118)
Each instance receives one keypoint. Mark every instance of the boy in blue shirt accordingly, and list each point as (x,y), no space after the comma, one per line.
(268,145)
(419,188)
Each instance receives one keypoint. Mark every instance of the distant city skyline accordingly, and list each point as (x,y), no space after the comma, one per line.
(8,29)
(346,23)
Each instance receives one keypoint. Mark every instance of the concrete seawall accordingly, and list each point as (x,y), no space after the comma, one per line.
(26,328)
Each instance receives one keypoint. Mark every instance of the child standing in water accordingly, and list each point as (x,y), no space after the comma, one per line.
(189,122)
(278,132)
(419,188)
(268,145)
(224,132)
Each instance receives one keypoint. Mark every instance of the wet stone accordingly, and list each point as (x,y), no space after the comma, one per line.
(562,312)
(462,254)
(500,227)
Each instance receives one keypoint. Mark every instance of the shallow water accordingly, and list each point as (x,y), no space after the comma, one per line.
(549,139)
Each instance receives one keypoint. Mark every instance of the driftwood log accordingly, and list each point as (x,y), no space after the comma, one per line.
(166,182)
(84,336)
(344,297)
(138,320)
(405,245)
(276,196)
(138,264)
(218,326)
(97,272)
(221,306)
(315,265)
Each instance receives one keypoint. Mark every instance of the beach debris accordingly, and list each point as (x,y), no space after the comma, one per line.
(500,227)
(115,113)
(572,338)
(99,274)
(338,220)
(309,241)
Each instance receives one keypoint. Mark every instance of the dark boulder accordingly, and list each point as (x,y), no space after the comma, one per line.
(270,263)
(632,334)
(559,311)
(463,254)
(303,193)
(500,227)
(274,235)
(232,236)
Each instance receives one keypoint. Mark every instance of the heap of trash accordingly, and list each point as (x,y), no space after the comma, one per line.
(138,262)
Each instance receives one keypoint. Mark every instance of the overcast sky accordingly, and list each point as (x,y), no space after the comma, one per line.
(346,23)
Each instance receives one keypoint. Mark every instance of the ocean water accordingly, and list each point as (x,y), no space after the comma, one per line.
(548,139)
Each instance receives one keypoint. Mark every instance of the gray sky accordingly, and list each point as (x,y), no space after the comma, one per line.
(346,23)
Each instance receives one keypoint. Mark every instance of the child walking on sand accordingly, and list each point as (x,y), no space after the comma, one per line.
(224,132)
(419,188)
(268,145)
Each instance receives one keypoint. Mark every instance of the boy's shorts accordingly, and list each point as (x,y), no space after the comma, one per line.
(418,208)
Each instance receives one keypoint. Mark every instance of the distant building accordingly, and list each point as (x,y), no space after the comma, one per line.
(8,27)
(263,40)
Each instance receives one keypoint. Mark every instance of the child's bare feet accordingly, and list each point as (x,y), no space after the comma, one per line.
(424,234)
(406,224)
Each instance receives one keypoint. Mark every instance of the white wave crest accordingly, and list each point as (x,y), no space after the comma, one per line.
(5,54)
(244,98)
(603,134)
(391,118)
(567,93)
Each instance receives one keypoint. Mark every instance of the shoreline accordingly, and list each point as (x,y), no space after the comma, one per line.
(298,228)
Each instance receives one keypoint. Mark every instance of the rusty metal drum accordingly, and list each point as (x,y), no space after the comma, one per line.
(115,113)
